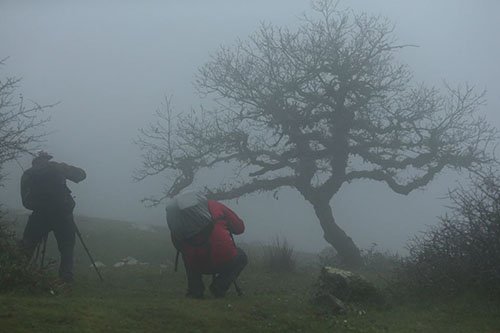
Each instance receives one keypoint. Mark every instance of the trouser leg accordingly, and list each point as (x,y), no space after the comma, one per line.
(36,229)
(195,284)
(228,274)
(64,231)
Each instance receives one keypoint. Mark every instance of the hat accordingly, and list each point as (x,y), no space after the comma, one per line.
(41,156)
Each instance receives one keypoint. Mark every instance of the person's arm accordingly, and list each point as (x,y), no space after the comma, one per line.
(234,223)
(71,172)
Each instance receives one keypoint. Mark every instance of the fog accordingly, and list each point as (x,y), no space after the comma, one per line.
(110,64)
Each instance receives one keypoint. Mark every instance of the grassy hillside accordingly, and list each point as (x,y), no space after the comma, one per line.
(110,240)
(150,298)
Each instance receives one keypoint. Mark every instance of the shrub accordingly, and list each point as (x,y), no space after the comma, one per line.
(380,266)
(279,256)
(463,250)
(15,269)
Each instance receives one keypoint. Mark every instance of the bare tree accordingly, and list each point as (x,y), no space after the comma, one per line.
(315,108)
(18,121)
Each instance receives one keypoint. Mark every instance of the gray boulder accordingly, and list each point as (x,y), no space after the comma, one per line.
(336,288)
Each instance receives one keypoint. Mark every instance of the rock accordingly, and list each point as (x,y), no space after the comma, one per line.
(330,303)
(336,287)
(128,261)
(132,261)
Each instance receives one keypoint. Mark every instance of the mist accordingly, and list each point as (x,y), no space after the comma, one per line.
(110,65)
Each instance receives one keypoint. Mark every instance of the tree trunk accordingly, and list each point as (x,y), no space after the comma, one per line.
(333,234)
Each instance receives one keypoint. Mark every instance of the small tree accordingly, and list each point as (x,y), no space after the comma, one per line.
(313,109)
(17,121)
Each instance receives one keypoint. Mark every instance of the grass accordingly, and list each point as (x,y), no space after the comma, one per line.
(148,299)
(138,299)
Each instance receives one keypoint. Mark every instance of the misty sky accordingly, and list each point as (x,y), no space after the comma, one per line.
(110,64)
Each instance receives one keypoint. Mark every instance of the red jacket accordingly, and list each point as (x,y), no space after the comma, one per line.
(220,247)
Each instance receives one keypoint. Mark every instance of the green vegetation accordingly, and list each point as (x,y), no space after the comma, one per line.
(142,300)
(463,250)
(15,271)
(279,256)
(150,298)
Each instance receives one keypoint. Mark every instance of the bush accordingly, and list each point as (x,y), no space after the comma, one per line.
(380,266)
(463,250)
(15,270)
(279,256)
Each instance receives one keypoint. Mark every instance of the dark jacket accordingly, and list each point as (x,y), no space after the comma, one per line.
(208,256)
(43,186)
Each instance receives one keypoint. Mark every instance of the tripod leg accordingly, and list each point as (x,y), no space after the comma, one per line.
(238,289)
(176,261)
(44,248)
(87,250)
(34,258)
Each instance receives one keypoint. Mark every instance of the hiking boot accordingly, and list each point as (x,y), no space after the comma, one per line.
(62,287)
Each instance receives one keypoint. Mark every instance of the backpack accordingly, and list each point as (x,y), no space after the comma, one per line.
(189,220)
(188,216)
(44,188)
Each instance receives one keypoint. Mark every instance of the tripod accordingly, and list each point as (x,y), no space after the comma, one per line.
(42,247)
(40,251)
(88,252)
